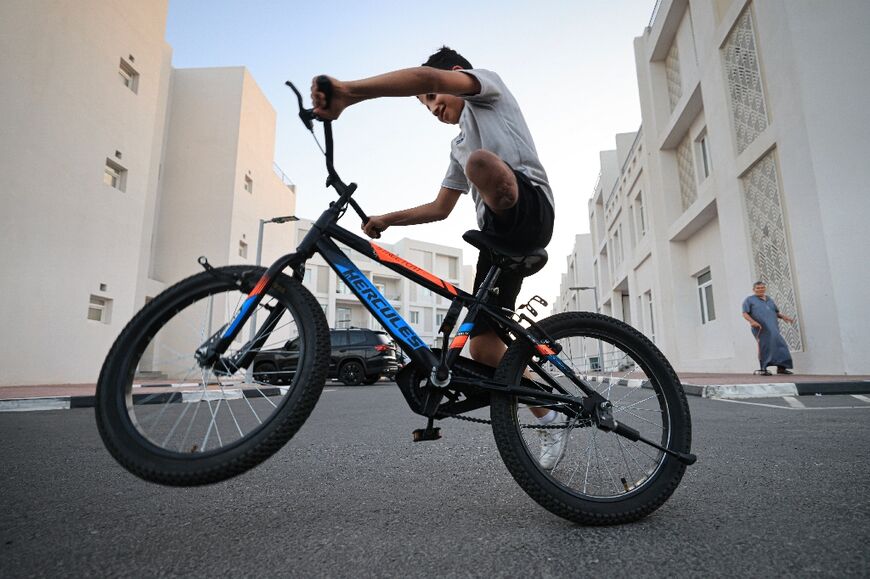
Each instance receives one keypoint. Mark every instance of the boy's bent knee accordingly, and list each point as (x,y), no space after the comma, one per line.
(493,179)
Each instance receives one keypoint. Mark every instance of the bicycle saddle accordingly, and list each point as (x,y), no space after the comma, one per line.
(524,261)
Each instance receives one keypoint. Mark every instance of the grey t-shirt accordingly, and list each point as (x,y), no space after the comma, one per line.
(492,120)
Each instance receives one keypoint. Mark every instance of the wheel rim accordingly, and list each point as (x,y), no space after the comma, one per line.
(180,408)
(351,373)
(589,462)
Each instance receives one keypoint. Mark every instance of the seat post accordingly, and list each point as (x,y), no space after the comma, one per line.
(488,282)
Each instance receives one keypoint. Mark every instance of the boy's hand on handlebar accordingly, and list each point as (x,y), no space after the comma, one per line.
(329,109)
(374,227)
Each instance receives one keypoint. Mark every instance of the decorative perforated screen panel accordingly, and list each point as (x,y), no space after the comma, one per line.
(744,82)
(672,70)
(686,167)
(770,247)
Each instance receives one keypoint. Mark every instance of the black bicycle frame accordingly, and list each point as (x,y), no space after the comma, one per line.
(320,239)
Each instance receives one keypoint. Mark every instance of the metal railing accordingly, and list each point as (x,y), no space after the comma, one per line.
(283,176)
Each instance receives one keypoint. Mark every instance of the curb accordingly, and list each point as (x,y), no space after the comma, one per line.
(716,391)
(775,390)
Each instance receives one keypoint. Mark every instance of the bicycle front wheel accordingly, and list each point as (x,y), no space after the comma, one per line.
(569,465)
(170,420)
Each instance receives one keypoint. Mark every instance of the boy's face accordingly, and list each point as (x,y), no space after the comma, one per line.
(446,107)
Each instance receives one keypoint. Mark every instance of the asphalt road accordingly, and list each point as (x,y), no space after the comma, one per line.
(777,490)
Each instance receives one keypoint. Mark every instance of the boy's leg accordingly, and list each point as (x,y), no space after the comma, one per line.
(493,179)
(487,348)
(497,184)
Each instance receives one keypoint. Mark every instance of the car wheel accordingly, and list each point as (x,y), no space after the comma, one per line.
(371,380)
(351,373)
(266,372)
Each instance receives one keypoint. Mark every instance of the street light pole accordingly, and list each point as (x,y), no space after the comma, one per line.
(595,299)
(249,375)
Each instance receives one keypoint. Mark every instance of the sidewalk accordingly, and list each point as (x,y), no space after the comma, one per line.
(733,386)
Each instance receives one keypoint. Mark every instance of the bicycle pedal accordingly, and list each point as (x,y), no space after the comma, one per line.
(422,434)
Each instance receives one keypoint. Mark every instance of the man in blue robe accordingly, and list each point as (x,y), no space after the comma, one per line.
(763,317)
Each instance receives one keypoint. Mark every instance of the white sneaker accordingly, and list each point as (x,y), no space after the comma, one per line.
(552,447)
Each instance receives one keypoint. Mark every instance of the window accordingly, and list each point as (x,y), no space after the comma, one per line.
(357,338)
(249,184)
(705,297)
(342,317)
(338,338)
(439,319)
(616,247)
(651,313)
(639,216)
(243,250)
(414,316)
(703,156)
(341,288)
(306,278)
(322,279)
(99,309)
(129,76)
(114,175)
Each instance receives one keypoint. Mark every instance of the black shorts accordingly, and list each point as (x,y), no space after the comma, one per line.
(526,225)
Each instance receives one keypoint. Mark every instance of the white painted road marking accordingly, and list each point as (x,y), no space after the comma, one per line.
(790,407)
(861,398)
(793,402)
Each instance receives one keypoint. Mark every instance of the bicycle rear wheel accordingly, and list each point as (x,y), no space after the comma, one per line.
(570,466)
(169,420)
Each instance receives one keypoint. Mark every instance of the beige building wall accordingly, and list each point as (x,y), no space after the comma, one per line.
(67,235)
(90,84)
(220,143)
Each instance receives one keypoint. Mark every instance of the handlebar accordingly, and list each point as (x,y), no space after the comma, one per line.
(308,117)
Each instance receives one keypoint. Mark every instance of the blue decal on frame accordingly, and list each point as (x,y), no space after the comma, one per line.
(380,307)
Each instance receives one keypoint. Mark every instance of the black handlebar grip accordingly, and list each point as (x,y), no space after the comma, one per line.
(325,86)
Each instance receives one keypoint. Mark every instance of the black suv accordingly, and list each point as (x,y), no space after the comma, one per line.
(358,356)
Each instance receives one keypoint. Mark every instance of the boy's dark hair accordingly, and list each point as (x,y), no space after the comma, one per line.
(446,58)
(758,283)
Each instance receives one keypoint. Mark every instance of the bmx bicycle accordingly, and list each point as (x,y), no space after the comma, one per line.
(175,403)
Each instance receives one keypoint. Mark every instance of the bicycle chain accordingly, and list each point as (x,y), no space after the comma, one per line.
(485,421)
(529,426)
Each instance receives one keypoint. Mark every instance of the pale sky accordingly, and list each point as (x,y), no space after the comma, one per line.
(570,64)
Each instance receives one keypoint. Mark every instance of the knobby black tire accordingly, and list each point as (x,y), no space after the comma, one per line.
(525,468)
(154,464)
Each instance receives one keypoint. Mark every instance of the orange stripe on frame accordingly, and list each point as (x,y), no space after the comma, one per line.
(545,350)
(458,341)
(259,287)
(384,255)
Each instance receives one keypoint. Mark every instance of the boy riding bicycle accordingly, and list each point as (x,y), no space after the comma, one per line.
(493,156)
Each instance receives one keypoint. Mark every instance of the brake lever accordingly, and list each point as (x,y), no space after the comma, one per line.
(307,115)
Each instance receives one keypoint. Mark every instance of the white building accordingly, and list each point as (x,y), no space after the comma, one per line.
(119,171)
(579,275)
(420,307)
(749,165)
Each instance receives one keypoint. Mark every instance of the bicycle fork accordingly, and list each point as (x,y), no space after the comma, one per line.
(210,353)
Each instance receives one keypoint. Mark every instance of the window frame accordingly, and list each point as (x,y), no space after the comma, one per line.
(129,76)
(117,173)
(706,300)
(103,306)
